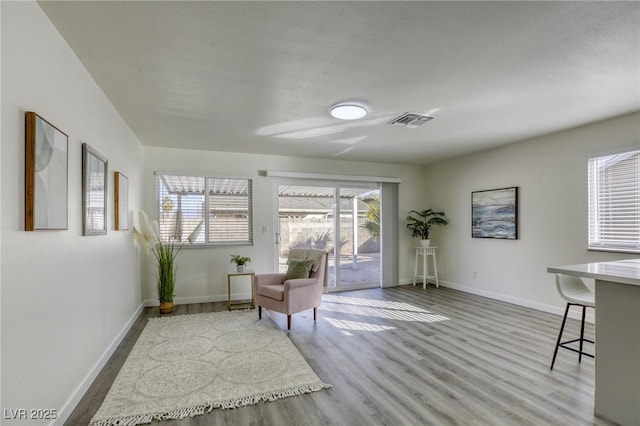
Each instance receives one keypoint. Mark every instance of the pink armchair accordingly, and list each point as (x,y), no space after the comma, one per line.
(295,295)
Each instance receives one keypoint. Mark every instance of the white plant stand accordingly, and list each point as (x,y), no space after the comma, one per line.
(424,253)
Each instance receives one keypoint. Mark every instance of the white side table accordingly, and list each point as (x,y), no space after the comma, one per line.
(425,252)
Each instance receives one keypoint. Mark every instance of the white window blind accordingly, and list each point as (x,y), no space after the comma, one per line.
(221,206)
(614,202)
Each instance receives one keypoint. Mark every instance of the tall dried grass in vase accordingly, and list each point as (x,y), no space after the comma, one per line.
(149,239)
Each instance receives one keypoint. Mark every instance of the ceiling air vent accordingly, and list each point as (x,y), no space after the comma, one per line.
(410,119)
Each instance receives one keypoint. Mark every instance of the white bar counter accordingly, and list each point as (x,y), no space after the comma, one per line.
(617,351)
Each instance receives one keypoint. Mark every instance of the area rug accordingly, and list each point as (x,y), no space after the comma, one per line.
(188,365)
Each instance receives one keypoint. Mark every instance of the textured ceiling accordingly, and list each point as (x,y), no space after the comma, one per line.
(259,77)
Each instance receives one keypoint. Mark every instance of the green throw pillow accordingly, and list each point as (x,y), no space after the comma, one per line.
(298,269)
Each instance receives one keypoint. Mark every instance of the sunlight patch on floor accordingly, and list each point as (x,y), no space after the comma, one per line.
(357,326)
(378,309)
(360,301)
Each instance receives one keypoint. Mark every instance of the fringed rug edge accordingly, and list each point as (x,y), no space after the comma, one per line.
(201,409)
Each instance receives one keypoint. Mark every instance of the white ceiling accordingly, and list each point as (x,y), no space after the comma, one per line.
(259,77)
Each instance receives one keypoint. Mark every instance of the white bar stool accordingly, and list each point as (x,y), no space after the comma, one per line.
(576,293)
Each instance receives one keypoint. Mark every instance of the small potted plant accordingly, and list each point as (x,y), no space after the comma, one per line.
(421,222)
(240,261)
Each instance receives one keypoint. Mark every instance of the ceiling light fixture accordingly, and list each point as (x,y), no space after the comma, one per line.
(348,111)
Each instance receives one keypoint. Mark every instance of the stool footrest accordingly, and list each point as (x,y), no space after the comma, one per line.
(577,340)
(563,345)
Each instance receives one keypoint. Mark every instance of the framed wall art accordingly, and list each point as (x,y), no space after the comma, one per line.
(46,175)
(121,203)
(94,192)
(494,214)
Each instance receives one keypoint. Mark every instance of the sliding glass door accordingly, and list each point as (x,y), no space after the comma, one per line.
(343,220)
(359,230)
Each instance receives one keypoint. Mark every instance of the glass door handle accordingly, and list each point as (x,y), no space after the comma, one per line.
(278,238)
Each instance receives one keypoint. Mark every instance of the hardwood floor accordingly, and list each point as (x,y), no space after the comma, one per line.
(408,356)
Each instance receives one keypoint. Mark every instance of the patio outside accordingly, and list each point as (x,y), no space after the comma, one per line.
(308,218)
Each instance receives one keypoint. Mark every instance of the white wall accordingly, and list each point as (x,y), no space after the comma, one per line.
(65,297)
(551,173)
(202,271)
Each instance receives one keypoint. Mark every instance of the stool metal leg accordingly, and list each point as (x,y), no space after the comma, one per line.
(581,340)
(584,311)
(564,320)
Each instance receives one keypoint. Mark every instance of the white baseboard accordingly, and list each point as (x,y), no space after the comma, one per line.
(200,299)
(68,407)
(590,317)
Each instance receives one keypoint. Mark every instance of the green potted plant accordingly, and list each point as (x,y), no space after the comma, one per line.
(420,224)
(240,261)
(148,237)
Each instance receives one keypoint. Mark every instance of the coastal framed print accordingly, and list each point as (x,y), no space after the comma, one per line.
(494,214)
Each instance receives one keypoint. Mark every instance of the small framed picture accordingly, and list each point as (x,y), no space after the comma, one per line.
(94,192)
(121,203)
(46,189)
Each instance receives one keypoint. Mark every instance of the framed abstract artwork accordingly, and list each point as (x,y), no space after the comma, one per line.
(46,175)
(94,192)
(494,214)
(121,203)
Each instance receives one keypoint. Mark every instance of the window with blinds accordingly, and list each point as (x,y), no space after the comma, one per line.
(614,202)
(212,210)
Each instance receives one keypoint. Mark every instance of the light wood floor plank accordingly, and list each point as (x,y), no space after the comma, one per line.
(408,356)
